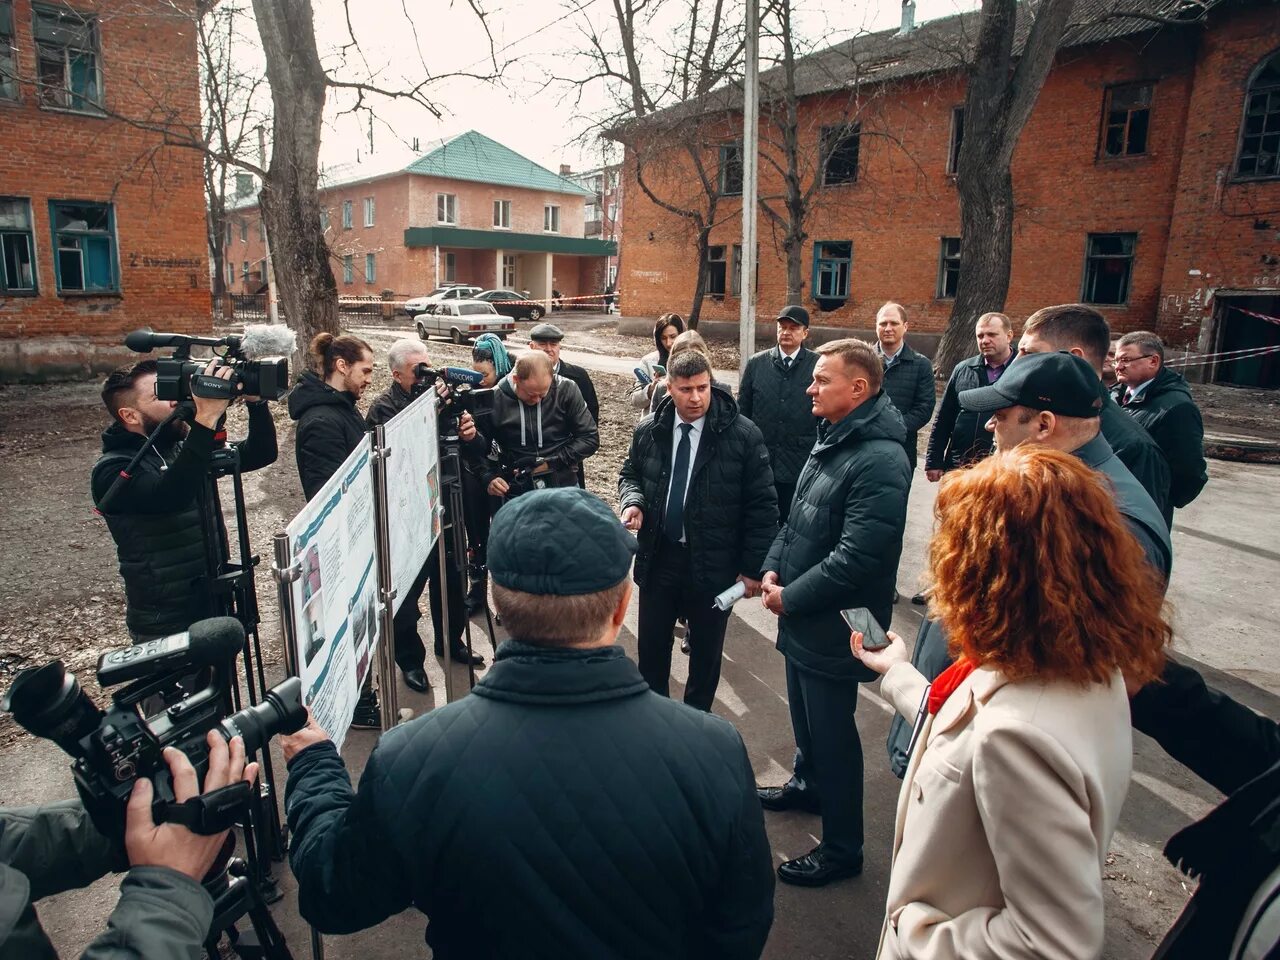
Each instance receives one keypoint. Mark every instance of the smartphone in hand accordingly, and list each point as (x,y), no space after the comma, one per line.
(861,621)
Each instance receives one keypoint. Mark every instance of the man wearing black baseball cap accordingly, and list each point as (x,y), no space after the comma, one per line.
(772,396)
(1056,399)
(563,809)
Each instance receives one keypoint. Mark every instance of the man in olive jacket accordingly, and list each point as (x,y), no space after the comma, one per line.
(772,396)
(839,549)
(564,809)
(696,485)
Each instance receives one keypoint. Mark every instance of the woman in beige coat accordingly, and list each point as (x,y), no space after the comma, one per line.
(1023,752)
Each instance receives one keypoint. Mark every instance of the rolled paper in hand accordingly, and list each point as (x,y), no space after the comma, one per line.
(724,601)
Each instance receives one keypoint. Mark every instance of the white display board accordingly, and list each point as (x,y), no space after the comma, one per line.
(414,509)
(335,598)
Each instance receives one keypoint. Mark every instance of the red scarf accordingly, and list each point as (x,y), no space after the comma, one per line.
(947,682)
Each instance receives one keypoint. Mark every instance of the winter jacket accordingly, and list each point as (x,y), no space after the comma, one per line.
(841,544)
(329,428)
(155,518)
(1137,451)
(579,375)
(909,383)
(54,848)
(730,508)
(642,393)
(1172,418)
(563,810)
(774,399)
(960,436)
(559,429)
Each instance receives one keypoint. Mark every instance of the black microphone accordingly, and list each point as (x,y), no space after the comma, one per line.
(208,642)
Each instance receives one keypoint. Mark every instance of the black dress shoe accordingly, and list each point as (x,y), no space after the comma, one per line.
(919,599)
(461,656)
(788,798)
(416,680)
(817,868)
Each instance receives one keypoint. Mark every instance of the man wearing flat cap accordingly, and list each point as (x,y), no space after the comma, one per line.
(545,338)
(561,810)
(773,397)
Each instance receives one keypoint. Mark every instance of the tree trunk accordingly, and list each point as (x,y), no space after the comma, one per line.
(700,287)
(307,290)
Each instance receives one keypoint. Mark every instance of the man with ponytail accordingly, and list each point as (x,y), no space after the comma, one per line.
(324,404)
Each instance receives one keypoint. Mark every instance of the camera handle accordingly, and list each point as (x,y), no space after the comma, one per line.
(208,814)
(182,411)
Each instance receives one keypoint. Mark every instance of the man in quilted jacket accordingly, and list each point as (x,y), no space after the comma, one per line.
(564,809)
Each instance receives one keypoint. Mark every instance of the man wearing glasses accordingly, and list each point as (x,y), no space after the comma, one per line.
(1160,400)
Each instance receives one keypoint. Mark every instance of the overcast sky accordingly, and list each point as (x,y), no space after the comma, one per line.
(523,110)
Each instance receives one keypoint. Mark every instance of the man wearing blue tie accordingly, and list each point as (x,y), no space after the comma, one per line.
(697,490)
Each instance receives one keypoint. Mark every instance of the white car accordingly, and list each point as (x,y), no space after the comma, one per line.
(458,291)
(462,320)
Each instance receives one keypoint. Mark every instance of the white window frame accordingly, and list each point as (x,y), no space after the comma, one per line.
(502,214)
(551,218)
(447,209)
(368,211)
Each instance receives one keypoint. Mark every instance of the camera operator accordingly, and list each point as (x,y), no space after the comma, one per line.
(155,518)
(542,427)
(163,910)
(403,359)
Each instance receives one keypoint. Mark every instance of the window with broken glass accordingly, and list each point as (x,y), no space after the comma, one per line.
(1108,268)
(1259,153)
(948,268)
(1126,117)
(840,154)
(68,59)
(17,245)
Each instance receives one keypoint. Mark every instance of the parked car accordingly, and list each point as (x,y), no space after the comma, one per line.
(512,304)
(462,320)
(450,291)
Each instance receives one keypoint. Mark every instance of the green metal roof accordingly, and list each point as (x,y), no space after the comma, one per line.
(473,156)
(505,240)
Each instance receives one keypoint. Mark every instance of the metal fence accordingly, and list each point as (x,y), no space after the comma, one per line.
(252,307)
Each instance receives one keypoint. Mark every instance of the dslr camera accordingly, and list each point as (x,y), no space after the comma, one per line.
(258,360)
(113,748)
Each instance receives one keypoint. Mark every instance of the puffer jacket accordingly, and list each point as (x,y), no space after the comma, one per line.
(1171,416)
(563,810)
(960,436)
(54,848)
(559,429)
(731,509)
(329,428)
(155,518)
(773,398)
(840,546)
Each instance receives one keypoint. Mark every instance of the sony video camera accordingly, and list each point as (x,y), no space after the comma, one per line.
(258,359)
(112,749)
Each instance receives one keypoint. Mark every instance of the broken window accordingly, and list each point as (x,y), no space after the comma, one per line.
(17,245)
(832,260)
(730,176)
(67,58)
(8,53)
(1259,154)
(840,154)
(957,137)
(84,247)
(948,268)
(1108,268)
(715,272)
(1126,115)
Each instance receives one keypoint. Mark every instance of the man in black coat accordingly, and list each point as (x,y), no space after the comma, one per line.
(546,337)
(908,375)
(772,396)
(155,517)
(403,359)
(696,485)
(324,406)
(1083,332)
(959,437)
(1160,400)
(838,550)
(563,810)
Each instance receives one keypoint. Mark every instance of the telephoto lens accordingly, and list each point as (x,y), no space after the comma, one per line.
(48,702)
(281,711)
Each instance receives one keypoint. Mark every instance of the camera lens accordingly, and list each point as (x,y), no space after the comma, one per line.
(281,711)
(48,702)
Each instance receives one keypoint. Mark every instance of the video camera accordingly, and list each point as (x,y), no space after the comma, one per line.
(464,392)
(112,749)
(258,359)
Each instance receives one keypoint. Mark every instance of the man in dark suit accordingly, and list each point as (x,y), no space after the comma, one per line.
(546,337)
(908,375)
(772,395)
(697,488)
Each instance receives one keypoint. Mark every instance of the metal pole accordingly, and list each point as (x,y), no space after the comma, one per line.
(750,187)
(285,572)
(389,697)
(273,308)
(446,643)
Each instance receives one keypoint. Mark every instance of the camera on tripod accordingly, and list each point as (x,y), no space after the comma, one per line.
(113,748)
(258,360)
(463,392)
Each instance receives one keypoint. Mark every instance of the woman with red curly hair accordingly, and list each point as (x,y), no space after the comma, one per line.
(1024,752)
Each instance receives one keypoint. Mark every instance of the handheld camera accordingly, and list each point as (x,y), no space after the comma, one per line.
(258,360)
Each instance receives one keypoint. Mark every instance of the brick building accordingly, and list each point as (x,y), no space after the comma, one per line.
(1147,182)
(468,211)
(102,228)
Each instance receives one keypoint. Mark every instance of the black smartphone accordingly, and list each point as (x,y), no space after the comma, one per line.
(861,621)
